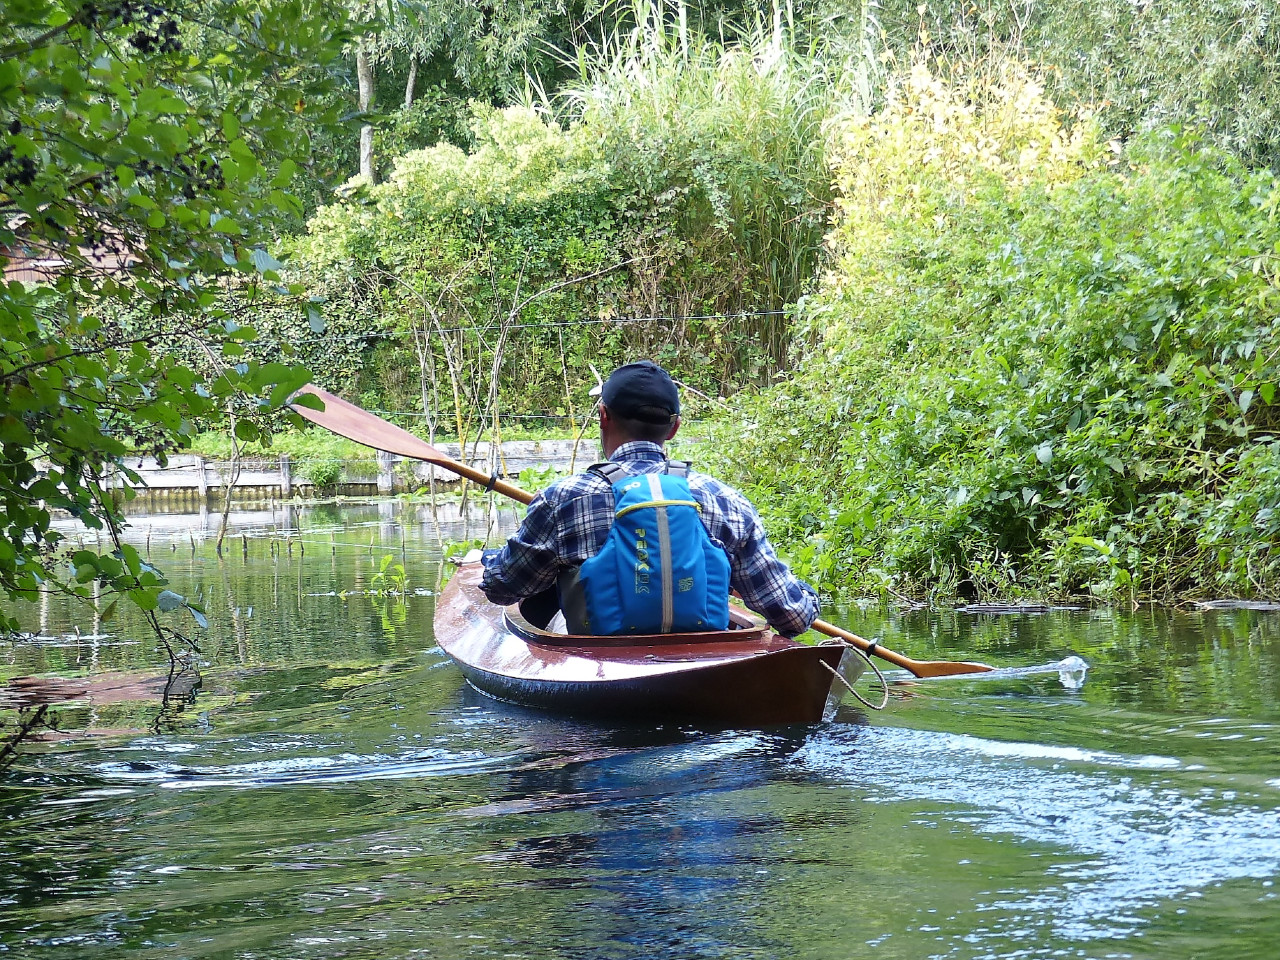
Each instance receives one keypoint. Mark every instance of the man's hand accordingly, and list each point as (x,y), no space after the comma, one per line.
(475,556)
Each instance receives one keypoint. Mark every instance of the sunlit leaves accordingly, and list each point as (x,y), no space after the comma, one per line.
(1033,384)
(1197,61)
(141,153)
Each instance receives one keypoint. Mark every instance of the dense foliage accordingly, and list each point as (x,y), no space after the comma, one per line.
(680,178)
(1040,365)
(434,64)
(138,168)
(1212,63)
(1038,360)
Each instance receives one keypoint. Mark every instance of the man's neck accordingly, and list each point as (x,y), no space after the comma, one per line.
(632,449)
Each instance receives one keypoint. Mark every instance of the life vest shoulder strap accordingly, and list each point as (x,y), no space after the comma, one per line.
(613,472)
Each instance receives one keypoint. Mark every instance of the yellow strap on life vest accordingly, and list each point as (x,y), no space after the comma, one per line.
(658,503)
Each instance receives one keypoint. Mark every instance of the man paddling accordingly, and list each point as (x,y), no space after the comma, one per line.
(640,543)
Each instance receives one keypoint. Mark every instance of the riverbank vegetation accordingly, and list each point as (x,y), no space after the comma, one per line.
(148,153)
(973,299)
(669,200)
(1040,365)
(1021,333)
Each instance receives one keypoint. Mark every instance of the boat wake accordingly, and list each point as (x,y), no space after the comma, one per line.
(303,770)
(343,768)
(1136,835)
(1071,671)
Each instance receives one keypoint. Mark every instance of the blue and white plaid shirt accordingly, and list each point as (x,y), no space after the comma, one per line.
(570,521)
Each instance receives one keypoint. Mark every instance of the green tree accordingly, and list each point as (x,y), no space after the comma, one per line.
(421,68)
(682,177)
(467,49)
(141,169)
(1213,63)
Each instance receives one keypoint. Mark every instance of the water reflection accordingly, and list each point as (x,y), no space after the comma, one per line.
(332,788)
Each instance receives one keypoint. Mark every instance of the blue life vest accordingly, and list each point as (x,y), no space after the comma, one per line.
(658,571)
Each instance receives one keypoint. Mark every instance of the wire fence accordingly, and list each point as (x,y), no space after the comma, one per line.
(546,325)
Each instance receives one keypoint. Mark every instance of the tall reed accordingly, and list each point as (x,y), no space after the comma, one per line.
(735,127)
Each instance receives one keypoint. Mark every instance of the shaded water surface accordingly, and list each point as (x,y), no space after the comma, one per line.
(328,786)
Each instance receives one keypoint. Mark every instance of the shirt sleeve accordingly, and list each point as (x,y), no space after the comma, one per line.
(764,582)
(529,562)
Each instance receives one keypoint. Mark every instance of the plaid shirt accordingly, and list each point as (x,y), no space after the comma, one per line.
(570,521)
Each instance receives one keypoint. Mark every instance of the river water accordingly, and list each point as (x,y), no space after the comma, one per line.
(330,787)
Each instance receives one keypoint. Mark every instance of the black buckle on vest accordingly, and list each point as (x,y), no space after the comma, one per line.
(610,471)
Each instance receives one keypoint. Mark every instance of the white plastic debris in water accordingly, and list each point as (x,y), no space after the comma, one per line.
(1071,672)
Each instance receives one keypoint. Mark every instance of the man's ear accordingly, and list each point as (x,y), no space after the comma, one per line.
(675,425)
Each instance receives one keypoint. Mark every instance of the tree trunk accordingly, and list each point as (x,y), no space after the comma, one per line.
(413,78)
(364,73)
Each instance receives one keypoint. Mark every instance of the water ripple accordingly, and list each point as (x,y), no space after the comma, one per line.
(306,770)
(1142,840)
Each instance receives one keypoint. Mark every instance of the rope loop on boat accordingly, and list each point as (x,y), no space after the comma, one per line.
(865,655)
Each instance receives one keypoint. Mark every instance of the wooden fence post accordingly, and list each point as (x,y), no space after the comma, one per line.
(386,479)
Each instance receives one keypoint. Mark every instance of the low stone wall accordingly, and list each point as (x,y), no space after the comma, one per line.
(191,477)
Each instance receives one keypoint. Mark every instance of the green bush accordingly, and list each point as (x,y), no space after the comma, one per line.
(454,249)
(1032,371)
(322,474)
(1146,65)
(1242,528)
(316,455)
(677,177)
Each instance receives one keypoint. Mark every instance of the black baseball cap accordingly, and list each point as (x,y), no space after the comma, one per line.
(641,391)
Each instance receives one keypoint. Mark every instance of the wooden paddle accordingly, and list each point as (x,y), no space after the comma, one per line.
(348,420)
(921,668)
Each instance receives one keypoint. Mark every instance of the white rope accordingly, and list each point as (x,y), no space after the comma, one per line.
(884,684)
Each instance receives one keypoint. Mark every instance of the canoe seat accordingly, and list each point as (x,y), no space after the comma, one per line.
(743,626)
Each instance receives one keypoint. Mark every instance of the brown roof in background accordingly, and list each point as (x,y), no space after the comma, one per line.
(34,262)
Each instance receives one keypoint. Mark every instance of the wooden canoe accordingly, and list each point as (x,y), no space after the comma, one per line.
(749,676)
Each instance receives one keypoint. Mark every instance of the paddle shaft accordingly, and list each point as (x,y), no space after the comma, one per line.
(831,630)
(485,480)
(490,483)
(348,420)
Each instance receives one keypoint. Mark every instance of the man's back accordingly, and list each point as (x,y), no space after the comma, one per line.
(569,522)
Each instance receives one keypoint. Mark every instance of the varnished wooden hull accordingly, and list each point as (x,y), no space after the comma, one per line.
(747,677)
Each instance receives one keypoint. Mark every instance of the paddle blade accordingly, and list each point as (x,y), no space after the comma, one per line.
(946,668)
(347,420)
(920,668)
